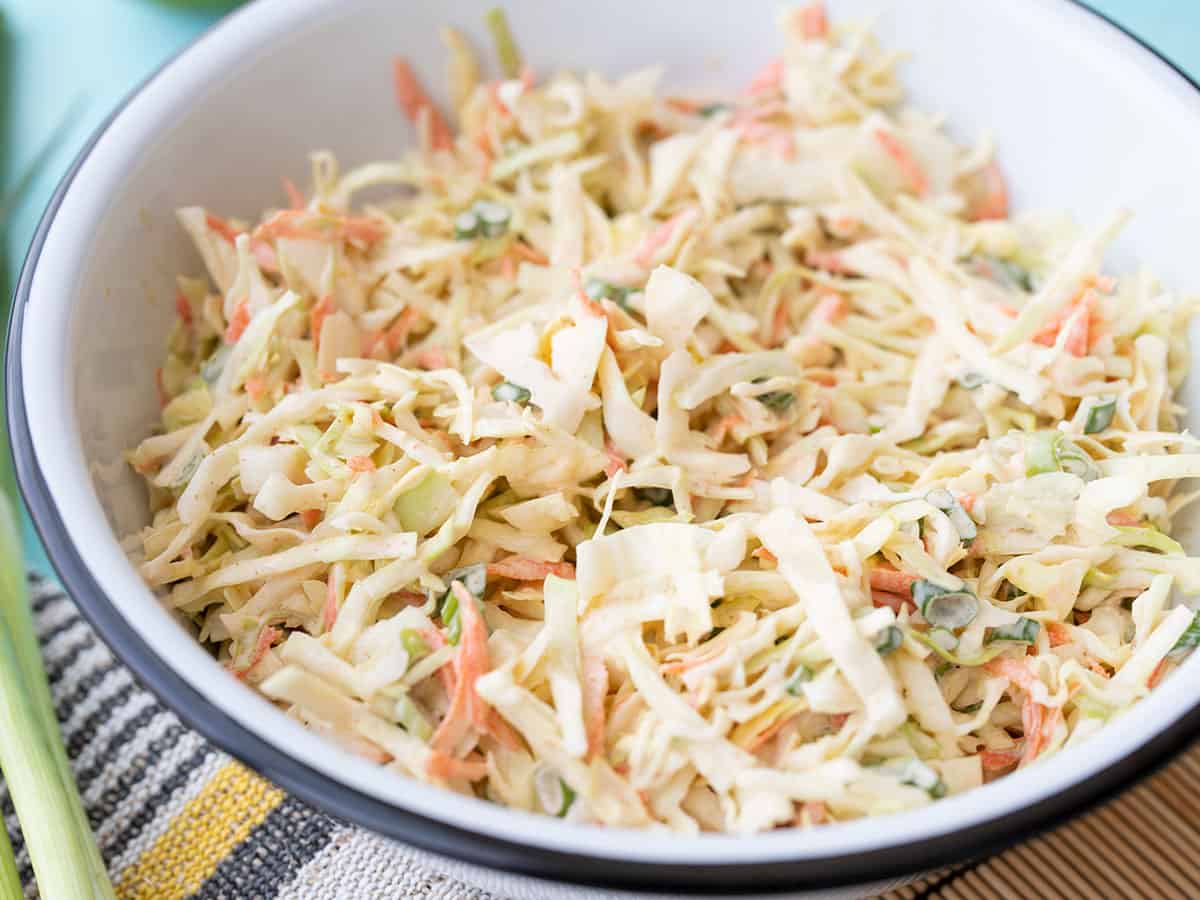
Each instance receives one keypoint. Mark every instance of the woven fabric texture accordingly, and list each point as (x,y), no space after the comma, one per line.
(176,818)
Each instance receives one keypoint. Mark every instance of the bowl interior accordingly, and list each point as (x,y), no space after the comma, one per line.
(1084,119)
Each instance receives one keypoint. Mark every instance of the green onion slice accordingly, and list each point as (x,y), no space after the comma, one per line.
(656,496)
(1023,630)
(506,46)
(1100,416)
(466,226)
(513,393)
(970,379)
(942,607)
(1049,451)
(922,776)
(414,645)
(1188,641)
(803,674)
(554,794)
(493,217)
(889,640)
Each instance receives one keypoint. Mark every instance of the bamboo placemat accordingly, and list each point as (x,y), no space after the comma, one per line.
(176,818)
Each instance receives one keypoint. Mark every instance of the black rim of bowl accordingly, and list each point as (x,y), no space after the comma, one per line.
(487,850)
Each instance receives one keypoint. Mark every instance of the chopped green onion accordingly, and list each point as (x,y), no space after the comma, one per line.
(943,607)
(777,401)
(506,47)
(1023,630)
(1189,640)
(474,579)
(466,226)
(513,393)
(972,708)
(922,776)
(1147,537)
(599,289)
(1049,451)
(656,496)
(411,719)
(414,645)
(889,640)
(712,109)
(554,794)
(1100,416)
(803,674)
(970,379)
(970,662)
(493,218)
(942,668)
(963,523)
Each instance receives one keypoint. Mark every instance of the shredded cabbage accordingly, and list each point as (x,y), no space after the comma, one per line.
(709,464)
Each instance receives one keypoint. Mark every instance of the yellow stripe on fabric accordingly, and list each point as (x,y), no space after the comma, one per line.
(215,821)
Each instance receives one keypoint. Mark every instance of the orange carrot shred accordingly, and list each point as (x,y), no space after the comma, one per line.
(521,568)
(222,227)
(769,78)
(295,198)
(184,309)
(904,159)
(330,610)
(595,689)
(316,318)
(412,99)
(994,203)
(360,464)
(885,578)
(813,22)
(311,518)
(442,765)
(238,321)
(266,638)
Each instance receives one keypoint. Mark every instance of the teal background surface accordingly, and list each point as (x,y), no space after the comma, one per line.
(74,60)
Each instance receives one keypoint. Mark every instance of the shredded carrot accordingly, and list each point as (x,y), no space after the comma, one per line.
(999,760)
(521,568)
(1078,327)
(397,334)
(412,99)
(316,318)
(266,638)
(967,501)
(256,387)
(595,689)
(1014,670)
(238,321)
(616,461)
(184,310)
(528,77)
(815,811)
(160,385)
(442,765)
(1058,633)
(904,160)
(529,254)
(222,227)
(436,641)
(1123,517)
(330,610)
(295,198)
(721,428)
(264,255)
(837,720)
(994,203)
(493,92)
(885,578)
(769,78)
(1157,674)
(311,518)
(360,464)
(467,708)
(656,240)
(431,358)
(813,22)
(508,267)
(303,225)
(683,105)
(894,602)
(829,308)
(781,141)
(762,553)
(769,732)
(1039,723)
(827,261)
(592,306)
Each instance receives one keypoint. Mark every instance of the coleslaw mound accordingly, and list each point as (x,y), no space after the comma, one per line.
(690,463)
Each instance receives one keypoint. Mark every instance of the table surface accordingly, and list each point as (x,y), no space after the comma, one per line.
(83,68)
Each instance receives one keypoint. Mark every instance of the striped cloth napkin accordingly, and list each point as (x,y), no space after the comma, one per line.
(177,818)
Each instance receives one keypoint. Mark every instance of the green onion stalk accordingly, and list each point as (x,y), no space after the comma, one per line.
(62,849)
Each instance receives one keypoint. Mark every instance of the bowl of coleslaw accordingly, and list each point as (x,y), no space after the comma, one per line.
(710,459)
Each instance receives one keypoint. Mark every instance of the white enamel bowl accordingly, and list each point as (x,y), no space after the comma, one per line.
(1086,119)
